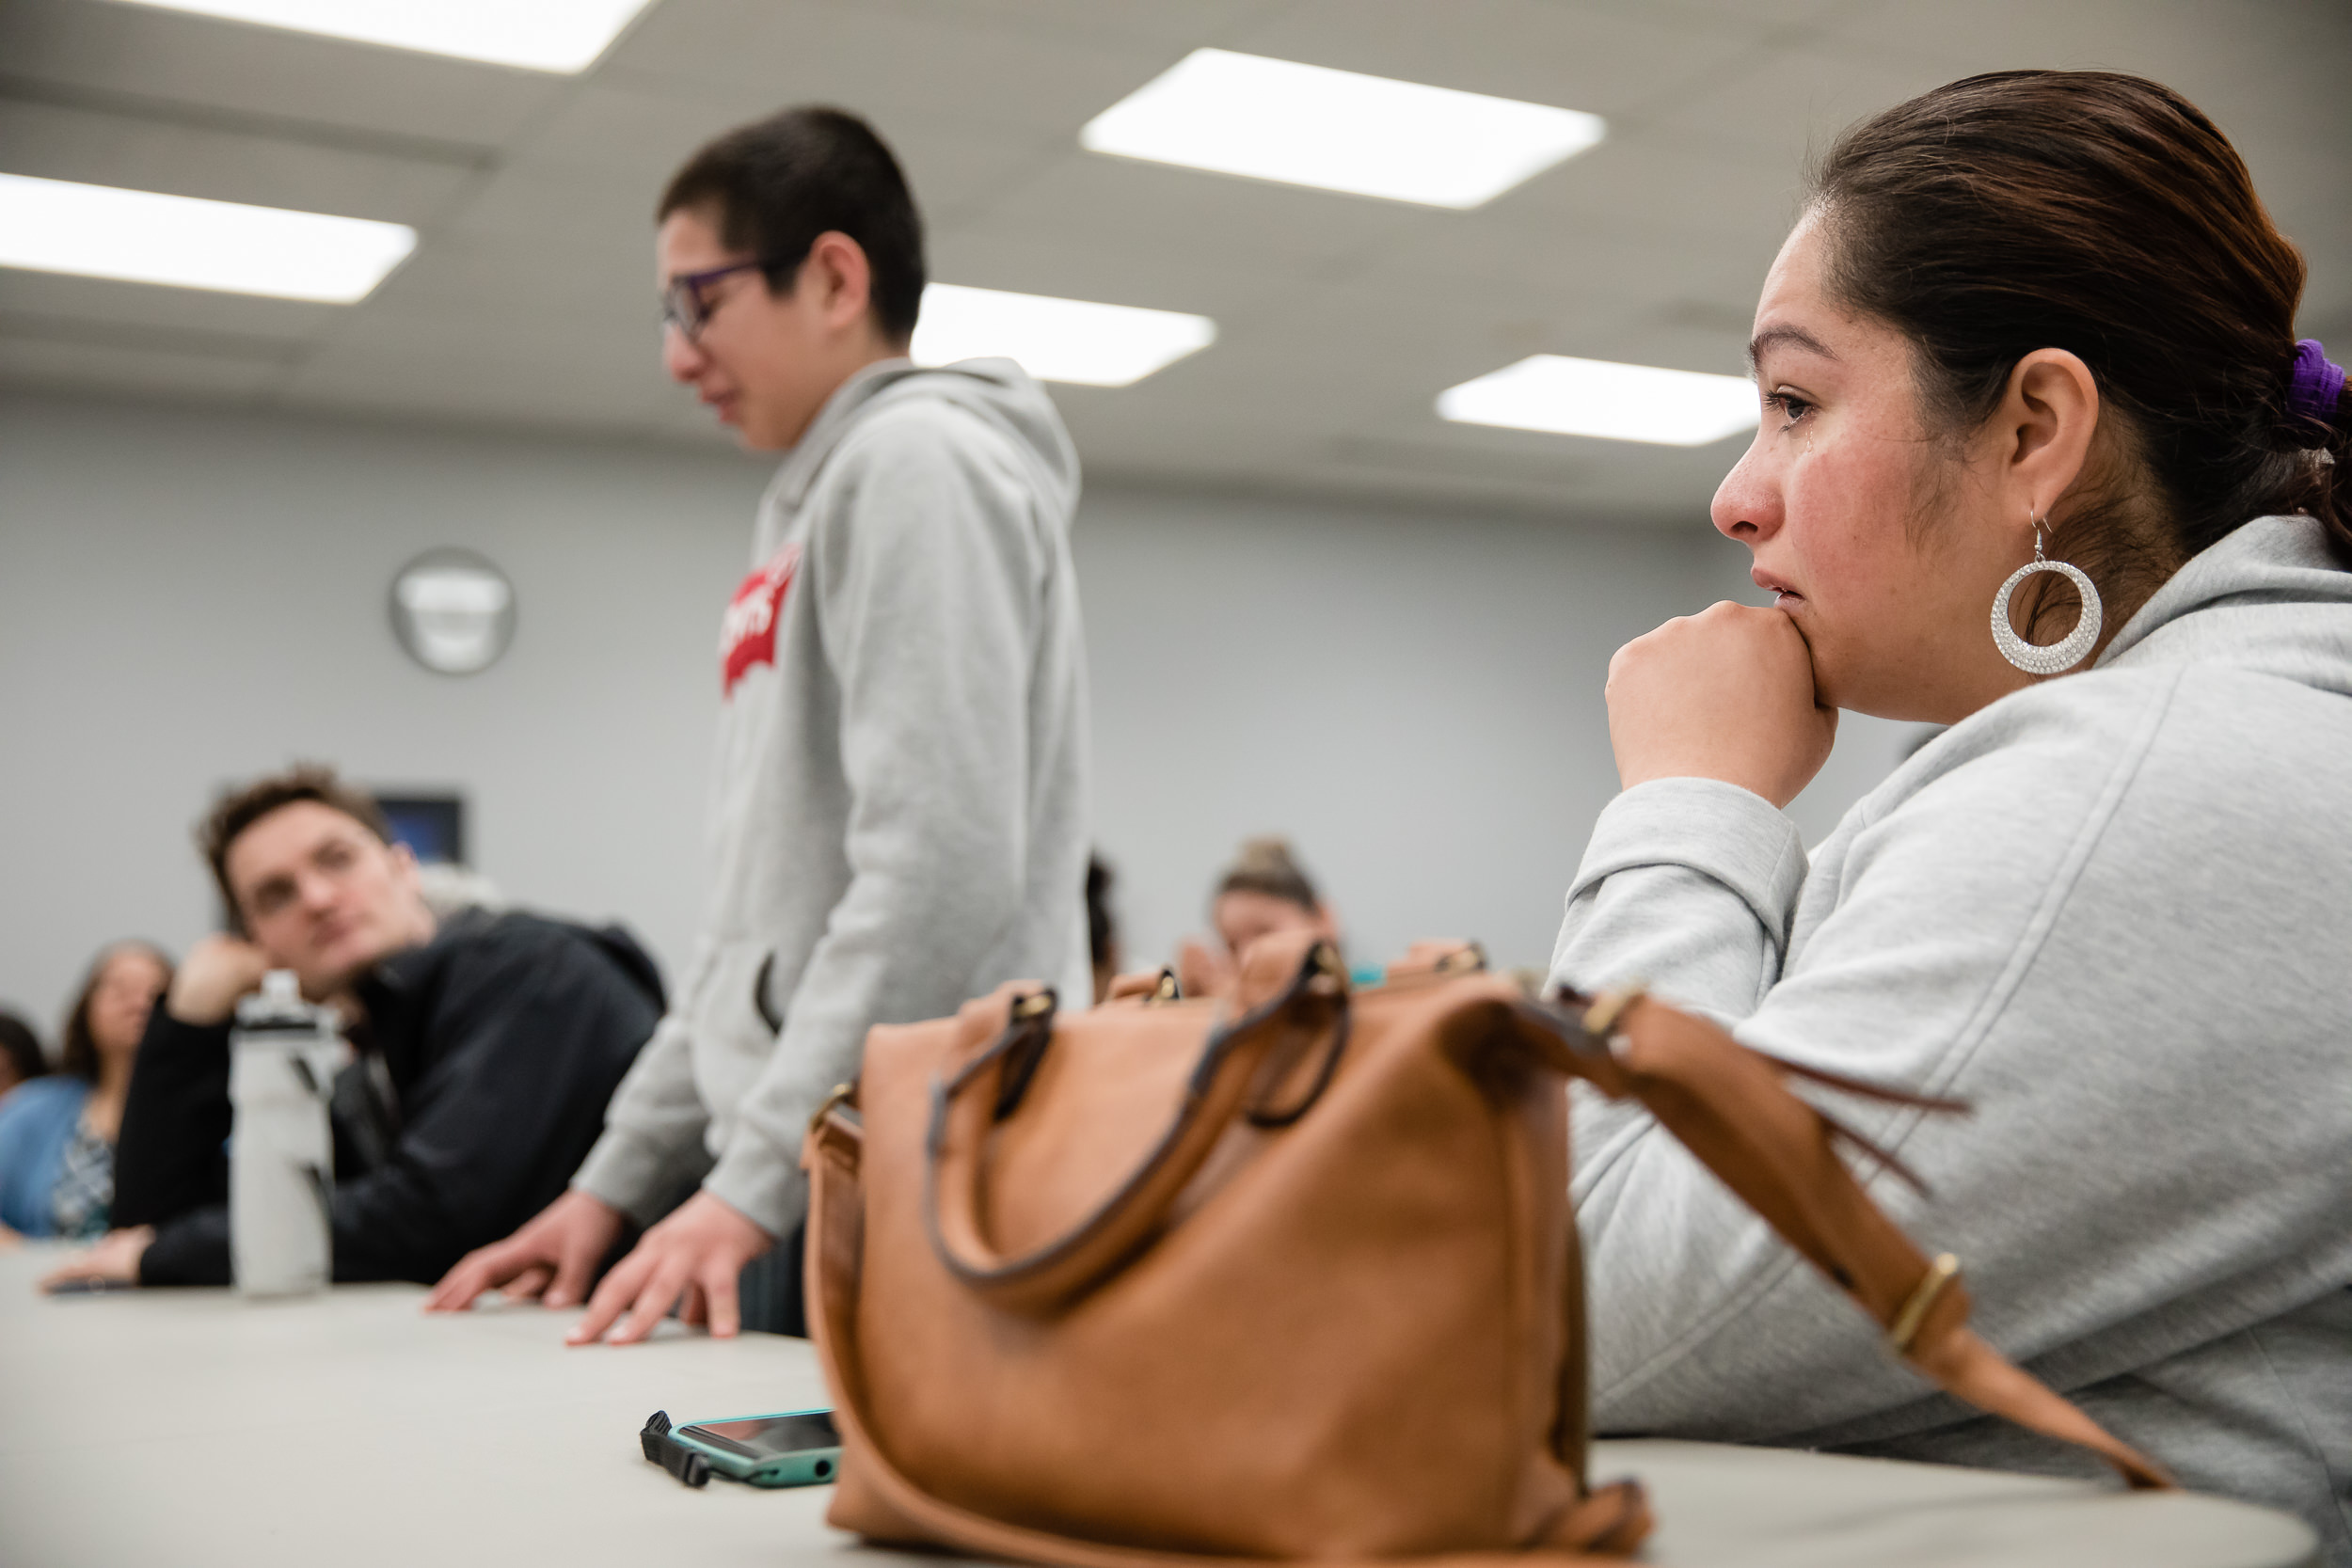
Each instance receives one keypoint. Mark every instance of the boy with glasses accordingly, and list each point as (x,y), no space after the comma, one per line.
(900,815)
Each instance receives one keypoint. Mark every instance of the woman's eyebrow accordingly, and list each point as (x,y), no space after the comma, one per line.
(1784,335)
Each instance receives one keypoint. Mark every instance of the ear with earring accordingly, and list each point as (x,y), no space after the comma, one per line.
(2037,658)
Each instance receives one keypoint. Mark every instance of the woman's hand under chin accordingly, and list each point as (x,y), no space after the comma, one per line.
(1725,695)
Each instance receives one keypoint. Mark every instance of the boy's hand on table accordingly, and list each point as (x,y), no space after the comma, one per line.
(693,1256)
(552,1258)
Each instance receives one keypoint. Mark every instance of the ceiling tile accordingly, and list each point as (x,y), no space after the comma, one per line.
(1786,103)
(404,347)
(1588,275)
(1741,16)
(1009,255)
(1138,206)
(540,249)
(109,150)
(1641,186)
(1603,61)
(265,73)
(630,136)
(150,304)
(879,60)
(1178,23)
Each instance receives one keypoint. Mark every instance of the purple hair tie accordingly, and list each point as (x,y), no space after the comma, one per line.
(2316,386)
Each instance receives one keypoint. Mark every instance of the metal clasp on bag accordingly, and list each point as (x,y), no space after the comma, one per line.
(1931,1284)
(1600,1019)
(1469,959)
(843,1094)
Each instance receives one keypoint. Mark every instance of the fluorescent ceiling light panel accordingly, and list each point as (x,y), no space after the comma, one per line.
(1594,397)
(142,237)
(1055,340)
(538,35)
(1309,125)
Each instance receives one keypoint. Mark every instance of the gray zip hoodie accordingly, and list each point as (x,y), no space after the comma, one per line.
(2110,912)
(898,810)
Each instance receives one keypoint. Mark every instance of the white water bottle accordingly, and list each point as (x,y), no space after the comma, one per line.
(283,1055)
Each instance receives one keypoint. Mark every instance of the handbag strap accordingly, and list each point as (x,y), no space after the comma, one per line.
(1727,1105)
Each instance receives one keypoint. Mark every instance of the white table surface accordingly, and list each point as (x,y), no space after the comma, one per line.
(178,1429)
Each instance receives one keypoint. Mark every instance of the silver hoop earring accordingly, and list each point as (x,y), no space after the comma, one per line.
(2038,659)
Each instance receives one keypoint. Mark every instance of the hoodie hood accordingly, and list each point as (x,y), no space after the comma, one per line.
(2268,597)
(998,392)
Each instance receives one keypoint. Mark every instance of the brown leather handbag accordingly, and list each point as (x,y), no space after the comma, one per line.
(1292,1274)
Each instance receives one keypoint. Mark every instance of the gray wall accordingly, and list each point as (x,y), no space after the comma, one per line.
(188,597)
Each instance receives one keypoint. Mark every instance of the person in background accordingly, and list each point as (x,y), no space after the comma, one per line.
(901,814)
(1263,891)
(21,1056)
(488,1046)
(2025,319)
(57,1132)
(1102,924)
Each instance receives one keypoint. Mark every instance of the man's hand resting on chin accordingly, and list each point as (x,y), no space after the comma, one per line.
(217,970)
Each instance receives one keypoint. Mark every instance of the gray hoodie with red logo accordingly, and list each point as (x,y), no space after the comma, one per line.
(898,811)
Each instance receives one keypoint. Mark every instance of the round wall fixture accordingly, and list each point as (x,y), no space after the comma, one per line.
(453,611)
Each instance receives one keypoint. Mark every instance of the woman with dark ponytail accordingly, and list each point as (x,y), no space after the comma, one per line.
(2043,460)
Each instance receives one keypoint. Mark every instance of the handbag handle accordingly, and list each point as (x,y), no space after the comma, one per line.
(990,1086)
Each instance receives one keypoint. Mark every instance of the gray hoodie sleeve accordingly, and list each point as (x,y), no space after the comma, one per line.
(1688,884)
(2009,934)
(929,576)
(652,1143)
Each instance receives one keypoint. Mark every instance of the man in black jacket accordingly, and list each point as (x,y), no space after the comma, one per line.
(486,1048)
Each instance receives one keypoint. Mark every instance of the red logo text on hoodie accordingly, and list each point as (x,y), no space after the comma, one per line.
(747,633)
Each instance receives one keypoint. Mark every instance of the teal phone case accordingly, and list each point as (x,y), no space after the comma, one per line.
(800,1467)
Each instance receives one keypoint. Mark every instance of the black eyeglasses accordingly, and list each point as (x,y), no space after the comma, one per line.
(683,305)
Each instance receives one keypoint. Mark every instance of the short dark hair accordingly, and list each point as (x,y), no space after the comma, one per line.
(239,809)
(1266,865)
(1101,924)
(77,1055)
(777,183)
(22,1047)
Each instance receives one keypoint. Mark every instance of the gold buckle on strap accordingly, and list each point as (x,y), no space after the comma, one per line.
(1469,959)
(1905,1327)
(1600,1019)
(842,1094)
